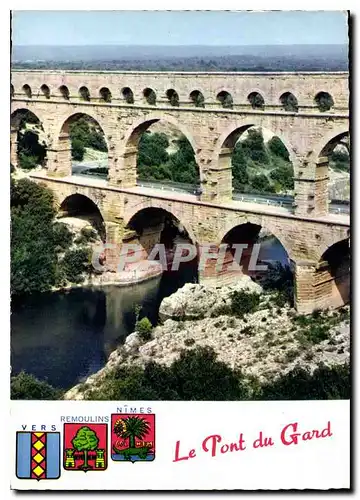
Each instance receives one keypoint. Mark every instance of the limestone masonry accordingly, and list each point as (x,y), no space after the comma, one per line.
(118,101)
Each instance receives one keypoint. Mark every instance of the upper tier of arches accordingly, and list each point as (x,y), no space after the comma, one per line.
(253,98)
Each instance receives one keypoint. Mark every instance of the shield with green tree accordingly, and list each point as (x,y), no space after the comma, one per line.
(85,447)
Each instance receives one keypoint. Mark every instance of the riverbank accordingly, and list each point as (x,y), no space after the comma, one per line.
(135,274)
(264,344)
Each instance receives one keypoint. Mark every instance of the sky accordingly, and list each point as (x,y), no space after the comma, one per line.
(178,28)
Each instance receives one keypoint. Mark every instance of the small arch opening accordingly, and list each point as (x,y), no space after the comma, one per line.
(150,96)
(256,100)
(105,94)
(84,93)
(289,102)
(173,97)
(27,90)
(64,91)
(324,101)
(197,99)
(12,91)
(45,90)
(128,95)
(225,99)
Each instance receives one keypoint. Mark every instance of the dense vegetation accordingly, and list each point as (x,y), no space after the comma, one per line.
(41,253)
(26,386)
(339,160)
(85,133)
(155,163)
(195,376)
(257,166)
(31,152)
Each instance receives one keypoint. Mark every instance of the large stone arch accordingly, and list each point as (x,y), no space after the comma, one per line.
(15,120)
(61,164)
(85,206)
(281,236)
(332,276)
(231,134)
(320,148)
(331,239)
(317,168)
(220,176)
(126,173)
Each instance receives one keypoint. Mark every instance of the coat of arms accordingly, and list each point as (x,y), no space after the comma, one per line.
(133,437)
(85,447)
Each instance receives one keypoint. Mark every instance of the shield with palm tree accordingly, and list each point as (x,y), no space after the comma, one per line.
(133,437)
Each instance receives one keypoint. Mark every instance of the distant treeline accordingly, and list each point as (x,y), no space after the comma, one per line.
(203,63)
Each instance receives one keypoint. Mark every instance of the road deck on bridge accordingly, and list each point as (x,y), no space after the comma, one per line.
(246,206)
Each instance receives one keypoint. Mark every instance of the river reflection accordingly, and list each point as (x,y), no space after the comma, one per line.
(63,337)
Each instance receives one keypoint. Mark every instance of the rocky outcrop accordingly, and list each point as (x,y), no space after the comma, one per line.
(264,344)
(194,301)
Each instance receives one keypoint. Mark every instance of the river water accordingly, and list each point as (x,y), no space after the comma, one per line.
(63,337)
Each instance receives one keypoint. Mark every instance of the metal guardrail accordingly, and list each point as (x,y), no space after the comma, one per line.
(277,201)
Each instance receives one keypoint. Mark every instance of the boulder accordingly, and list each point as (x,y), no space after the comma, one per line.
(196,301)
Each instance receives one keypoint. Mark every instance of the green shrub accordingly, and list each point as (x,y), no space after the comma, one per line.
(243,302)
(87,235)
(62,235)
(27,162)
(77,150)
(302,384)
(144,328)
(26,386)
(75,263)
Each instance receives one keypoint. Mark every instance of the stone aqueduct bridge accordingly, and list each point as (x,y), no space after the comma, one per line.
(306,232)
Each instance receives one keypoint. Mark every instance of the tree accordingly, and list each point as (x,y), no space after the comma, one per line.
(85,440)
(135,427)
(254,147)
(77,150)
(278,148)
(152,149)
(31,153)
(260,183)
(283,175)
(35,238)
(239,168)
(33,256)
(75,263)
